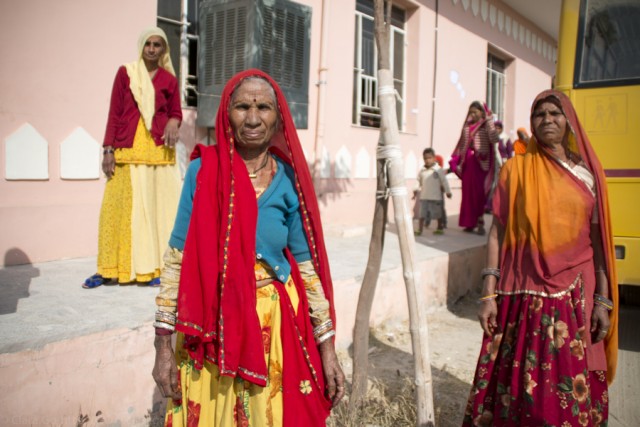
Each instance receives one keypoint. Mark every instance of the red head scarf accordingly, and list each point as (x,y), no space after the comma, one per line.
(217,296)
(546,214)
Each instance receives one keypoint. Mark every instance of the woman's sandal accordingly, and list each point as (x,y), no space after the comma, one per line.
(154,283)
(94,281)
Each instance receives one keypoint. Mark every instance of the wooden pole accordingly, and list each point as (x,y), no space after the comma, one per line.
(399,194)
(359,379)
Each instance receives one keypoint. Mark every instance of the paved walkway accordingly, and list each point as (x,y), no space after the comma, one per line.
(44,303)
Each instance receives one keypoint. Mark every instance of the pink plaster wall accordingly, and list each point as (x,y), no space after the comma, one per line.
(64,63)
(104,376)
(57,75)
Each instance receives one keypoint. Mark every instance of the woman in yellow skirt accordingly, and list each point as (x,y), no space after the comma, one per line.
(246,283)
(143,185)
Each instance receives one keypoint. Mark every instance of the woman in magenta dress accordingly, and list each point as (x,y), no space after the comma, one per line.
(473,161)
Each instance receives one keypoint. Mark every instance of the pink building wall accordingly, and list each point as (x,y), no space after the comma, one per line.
(58,73)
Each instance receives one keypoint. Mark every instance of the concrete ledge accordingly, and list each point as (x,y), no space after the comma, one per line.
(69,352)
(103,378)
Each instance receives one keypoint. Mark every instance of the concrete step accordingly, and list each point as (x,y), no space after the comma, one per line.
(69,354)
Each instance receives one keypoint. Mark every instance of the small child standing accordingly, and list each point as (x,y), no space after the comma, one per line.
(432,183)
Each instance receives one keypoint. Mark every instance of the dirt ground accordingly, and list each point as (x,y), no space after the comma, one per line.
(454,344)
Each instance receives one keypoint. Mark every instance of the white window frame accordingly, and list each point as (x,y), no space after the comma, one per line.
(370,97)
(496,88)
(187,82)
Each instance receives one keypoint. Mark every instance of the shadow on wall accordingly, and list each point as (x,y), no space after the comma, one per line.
(330,189)
(15,280)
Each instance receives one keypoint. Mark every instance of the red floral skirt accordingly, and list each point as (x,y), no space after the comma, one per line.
(533,370)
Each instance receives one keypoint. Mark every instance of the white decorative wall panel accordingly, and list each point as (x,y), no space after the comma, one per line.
(410,166)
(343,163)
(26,155)
(475,7)
(325,164)
(363,160)
(79,156)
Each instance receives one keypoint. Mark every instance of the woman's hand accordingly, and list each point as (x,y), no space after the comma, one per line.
(599,323)
(487,110)
(333,375)
(108,164)
(165,371)
(487,315)
(171,133)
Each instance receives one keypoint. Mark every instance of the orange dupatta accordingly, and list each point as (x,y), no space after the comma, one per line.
(546,213)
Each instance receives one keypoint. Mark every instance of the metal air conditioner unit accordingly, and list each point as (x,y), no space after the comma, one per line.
(272,35)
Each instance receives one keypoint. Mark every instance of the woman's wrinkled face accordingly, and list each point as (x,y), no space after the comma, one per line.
(153,49)
(549,123)
(253,113)
(475,115)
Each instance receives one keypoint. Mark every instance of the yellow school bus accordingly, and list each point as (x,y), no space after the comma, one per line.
(599,69)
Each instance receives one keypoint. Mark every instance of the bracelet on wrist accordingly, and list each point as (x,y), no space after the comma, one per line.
(107,150)
(488,297)
(165,326)
(602,302)
(166,317)
(495,272)
(323,328)
(324,337)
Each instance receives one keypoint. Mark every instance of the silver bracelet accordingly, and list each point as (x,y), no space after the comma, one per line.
(166,317)
(323,327)
(495,272)
(324,337)
(163,325)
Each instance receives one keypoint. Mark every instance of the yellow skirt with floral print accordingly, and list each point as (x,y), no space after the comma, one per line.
(138,210)
(209,399)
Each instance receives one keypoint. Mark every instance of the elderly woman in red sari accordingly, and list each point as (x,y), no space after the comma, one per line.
(254,307)
(474,161)
(549,297)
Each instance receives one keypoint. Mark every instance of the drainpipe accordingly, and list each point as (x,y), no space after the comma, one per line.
(321,84)
(435,70)
(184,50)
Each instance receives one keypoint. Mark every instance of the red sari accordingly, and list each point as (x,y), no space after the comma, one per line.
(540,367)
(217,294)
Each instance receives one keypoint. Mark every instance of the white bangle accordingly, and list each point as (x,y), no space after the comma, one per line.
(322,338)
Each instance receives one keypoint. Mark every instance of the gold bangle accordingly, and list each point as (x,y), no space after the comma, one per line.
(488,297)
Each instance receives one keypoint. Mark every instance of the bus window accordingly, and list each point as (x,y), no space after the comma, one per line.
(608,43)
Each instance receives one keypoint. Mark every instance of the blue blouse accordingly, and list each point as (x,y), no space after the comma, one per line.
(279,221)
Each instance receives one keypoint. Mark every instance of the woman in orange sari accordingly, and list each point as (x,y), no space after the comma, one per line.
(549,298)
